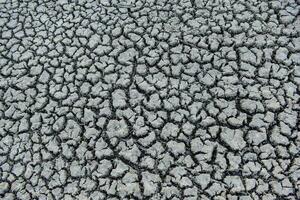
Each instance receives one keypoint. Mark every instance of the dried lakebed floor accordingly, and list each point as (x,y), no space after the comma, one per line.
(150,100)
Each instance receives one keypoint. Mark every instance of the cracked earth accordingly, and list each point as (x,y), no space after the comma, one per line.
(184,99)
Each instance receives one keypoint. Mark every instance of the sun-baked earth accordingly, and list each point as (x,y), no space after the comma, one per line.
(158,100)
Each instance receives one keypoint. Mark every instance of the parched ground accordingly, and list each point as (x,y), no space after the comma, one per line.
(159,99)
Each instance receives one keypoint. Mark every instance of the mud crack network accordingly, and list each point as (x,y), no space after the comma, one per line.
(150,100)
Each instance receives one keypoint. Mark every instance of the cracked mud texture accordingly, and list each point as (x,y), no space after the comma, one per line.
(183,99)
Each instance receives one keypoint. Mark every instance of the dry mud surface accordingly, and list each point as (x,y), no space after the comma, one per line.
(183,99)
